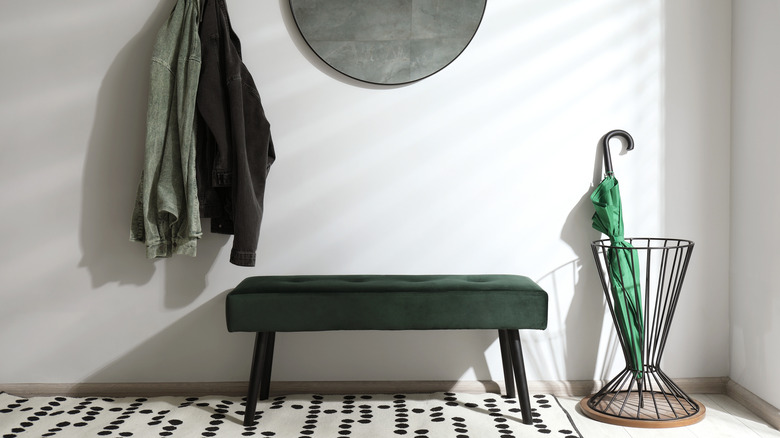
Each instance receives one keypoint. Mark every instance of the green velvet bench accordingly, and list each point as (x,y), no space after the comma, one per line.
(269,304)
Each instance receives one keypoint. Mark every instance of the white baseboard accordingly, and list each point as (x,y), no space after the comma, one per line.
(159,389)
(714,385)
(146,389)
(581,388)
(754,403)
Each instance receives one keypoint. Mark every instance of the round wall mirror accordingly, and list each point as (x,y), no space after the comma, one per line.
(388,42)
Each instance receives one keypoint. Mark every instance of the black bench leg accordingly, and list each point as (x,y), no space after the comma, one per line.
(506,359)
(268,357)
(522,384)
(260,375)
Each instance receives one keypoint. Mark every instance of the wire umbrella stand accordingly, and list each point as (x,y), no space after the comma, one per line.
(642,395)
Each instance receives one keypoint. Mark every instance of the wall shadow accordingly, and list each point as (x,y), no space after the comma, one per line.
(198,348)
(113,163)
(176,354)
(180,351)
(112,170)
(582,322)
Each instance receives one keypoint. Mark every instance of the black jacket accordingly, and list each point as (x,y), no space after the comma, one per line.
(234,148)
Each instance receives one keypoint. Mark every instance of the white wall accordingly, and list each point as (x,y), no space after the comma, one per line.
(755,209)
(484,167)
(697,132)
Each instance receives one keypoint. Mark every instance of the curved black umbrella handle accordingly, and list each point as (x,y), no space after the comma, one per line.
(606,138)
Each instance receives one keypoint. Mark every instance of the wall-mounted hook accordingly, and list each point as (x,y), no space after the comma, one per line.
(606,138)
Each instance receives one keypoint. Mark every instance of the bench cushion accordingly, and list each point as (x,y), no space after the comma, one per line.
(385,302)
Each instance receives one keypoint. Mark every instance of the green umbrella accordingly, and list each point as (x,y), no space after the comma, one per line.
(622,261)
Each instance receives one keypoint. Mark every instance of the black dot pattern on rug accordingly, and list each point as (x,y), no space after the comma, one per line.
(496,413)
(296,416)
(437,414)
(450,399)
(312,417)
(401,414)
(459,424)
(366,413)
(421,433)
(348,404)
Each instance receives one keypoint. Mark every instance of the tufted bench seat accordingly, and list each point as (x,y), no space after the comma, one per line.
(269,304)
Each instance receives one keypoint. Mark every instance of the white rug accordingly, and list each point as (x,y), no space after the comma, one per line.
(439,415)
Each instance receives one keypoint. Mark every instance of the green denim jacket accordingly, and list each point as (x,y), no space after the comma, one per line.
(166,214)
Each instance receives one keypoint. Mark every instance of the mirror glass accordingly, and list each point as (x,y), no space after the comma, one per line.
(388,41)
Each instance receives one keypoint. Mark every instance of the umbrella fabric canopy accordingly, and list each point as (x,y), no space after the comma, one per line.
(623,272)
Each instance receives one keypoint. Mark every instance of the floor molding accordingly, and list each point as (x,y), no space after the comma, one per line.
(146,389)
(707,385)
(754,403)
(581,388)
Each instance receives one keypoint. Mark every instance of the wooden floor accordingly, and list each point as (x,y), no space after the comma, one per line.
(724,418)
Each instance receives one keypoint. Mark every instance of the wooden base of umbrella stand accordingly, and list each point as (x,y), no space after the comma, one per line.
(644,396)
(666,407)
(667,419)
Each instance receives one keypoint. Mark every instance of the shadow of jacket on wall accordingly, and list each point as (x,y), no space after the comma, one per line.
(112,169)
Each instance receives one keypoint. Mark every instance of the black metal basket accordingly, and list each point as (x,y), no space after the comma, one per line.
(642,395)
